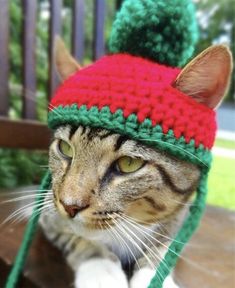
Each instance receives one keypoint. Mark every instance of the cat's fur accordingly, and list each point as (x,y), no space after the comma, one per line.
(127,220)
(151,197)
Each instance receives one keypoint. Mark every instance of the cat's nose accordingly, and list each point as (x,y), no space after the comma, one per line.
(73,210)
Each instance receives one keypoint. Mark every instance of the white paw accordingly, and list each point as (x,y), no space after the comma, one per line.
(169,283)
(100,273)
(142,278)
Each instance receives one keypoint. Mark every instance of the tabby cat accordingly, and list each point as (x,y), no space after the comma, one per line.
(118,203)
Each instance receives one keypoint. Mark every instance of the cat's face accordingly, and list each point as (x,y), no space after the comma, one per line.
(97,175)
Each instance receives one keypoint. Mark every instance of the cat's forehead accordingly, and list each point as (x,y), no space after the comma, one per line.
(98,141)
(93,139)
(88,139)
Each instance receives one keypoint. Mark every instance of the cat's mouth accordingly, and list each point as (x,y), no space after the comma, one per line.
(102,220)
(99,224)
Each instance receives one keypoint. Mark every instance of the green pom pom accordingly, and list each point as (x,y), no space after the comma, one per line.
(164,31)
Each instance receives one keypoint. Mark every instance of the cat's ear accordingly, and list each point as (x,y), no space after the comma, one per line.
(206,78)
(66,65)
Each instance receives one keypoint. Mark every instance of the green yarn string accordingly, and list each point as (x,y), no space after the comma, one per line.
(189,226)
(28,236)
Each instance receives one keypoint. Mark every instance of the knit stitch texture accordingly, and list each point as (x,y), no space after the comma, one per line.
(164,31)
(142,90)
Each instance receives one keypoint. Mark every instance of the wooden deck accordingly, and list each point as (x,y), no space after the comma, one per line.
(208,261)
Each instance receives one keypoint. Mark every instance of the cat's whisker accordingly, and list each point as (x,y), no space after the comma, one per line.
(50,210)
(53,109)
(45,207)
(152,265)
(124,242)
(33,98)
(184,204)
(40,104)
(192,263)
(30,95)
(135,221)
(24,192)
(22,209)
(160,234)
(16,212)
(26,216)
(116,238)
(177,147)
(47,203)
(129,237)
(101,227)
(156,257)
(25,197)
(142,229)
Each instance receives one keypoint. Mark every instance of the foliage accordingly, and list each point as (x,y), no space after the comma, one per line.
(221,179)
(225,143)
(217,25)
(21,167)
(221,183)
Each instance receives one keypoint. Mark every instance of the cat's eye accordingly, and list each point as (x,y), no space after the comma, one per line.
(65,149)
(128,164)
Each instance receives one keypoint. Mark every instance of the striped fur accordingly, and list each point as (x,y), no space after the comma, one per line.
(129,219)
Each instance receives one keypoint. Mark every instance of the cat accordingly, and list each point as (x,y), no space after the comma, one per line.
(118,203)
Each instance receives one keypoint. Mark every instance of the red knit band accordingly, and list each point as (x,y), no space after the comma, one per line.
(144,88)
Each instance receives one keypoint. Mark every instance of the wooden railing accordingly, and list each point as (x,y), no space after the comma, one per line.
(28,132)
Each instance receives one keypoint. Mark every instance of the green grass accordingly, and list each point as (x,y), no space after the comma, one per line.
(228,144)
(222,183)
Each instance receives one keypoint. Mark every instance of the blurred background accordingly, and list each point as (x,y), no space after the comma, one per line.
(217,25)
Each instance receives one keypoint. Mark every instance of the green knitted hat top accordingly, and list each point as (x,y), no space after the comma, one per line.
(164,31)
(130,92)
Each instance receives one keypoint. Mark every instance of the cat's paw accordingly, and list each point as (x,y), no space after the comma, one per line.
(100,273)
(142,278)
(169,283)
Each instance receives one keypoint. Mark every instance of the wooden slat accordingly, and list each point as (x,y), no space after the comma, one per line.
(4,57)
(99,28)
(24,134)
(78,30)
(55,29)
(29,66)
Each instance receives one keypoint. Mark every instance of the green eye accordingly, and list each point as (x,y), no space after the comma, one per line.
(65,149)
(127,164)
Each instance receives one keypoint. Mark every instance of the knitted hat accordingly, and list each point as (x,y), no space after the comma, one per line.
(134,91)
(134,96)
